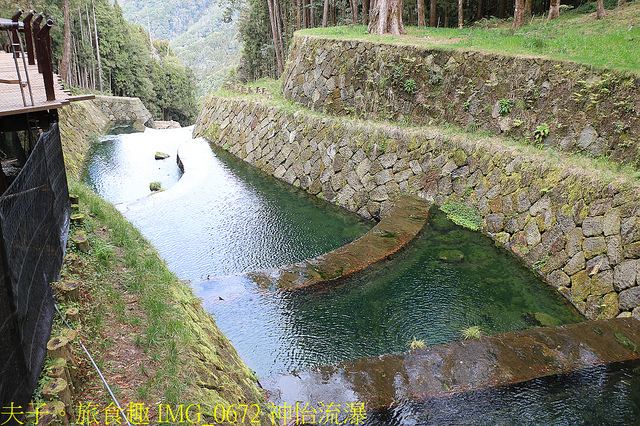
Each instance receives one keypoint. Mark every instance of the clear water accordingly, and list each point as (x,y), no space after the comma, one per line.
(415,295)
(223,217)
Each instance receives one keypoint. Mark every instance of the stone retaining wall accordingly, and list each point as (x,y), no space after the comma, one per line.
(571,106)
(578,229)
(119,108)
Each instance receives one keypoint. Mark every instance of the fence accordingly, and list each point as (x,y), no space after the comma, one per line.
(34,222)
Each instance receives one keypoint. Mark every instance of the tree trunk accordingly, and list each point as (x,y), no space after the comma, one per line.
(354,11)
(66,47)
(386,18)
(325,13)
(365,12)
(312,18)
(298,14)
(432,13)
(479,15)
(460,18)
(421,20)
(518,14)
(501,9)
(95,27)
(554,9)
(305,14)
(274,33)
(600,14)
(528,7)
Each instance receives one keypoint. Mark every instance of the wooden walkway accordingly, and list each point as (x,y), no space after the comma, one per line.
(11,102)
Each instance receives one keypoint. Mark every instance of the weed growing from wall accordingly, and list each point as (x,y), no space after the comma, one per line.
(463,215)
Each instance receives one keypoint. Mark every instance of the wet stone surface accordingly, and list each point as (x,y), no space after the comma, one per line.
(405,219)
(445,370)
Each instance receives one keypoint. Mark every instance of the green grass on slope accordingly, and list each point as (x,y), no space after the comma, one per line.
(613,42)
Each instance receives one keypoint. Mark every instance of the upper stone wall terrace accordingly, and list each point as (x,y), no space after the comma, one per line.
(594,112)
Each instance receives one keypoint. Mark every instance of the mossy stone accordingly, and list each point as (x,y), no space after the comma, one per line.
(451,256)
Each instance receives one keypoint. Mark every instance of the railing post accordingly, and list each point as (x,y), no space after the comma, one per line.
(35,29)
(43,44)
(29,36)
(16,40)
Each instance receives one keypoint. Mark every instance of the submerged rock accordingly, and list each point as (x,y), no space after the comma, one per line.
(451,256)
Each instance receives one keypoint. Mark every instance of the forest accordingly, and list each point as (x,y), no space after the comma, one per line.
(105,53)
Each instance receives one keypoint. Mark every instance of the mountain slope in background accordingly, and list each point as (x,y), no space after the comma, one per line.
(197,34)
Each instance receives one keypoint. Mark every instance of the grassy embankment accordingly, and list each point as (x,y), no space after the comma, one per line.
(613,42)
(148,333)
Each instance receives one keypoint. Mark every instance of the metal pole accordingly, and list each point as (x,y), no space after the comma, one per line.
(26,71)
(13,35)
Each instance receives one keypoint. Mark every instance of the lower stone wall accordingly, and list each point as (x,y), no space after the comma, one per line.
(119,108)
(577,228)
(80,124)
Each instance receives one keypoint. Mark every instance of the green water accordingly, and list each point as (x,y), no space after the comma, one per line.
(416,295)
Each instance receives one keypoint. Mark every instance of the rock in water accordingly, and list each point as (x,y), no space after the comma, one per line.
(451,256)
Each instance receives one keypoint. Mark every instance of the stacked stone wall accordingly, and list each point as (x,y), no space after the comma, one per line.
(572,107)
(119,108)
(578,229)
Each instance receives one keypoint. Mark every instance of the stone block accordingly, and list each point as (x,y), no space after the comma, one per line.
(532,234)
(494,223)
(602,283)
(379,194)
(554,262)
(575,264)
(337,181)
(597,264)
(614,249)
(444,185)
(611,222)
(580,286)
(629,299)
(625,274)
(540,206)
(383,176)
(558,279)
(448,168)
(630,230)
(553,240)
(574,241)
(388,160)
(631,251)
(592,226)
(593,246)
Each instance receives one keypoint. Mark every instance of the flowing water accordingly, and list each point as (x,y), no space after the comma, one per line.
(222,218)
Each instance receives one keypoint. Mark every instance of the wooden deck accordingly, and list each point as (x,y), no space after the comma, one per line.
(11,102)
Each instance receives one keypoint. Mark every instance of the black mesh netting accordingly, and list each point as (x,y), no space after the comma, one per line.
(34,222)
